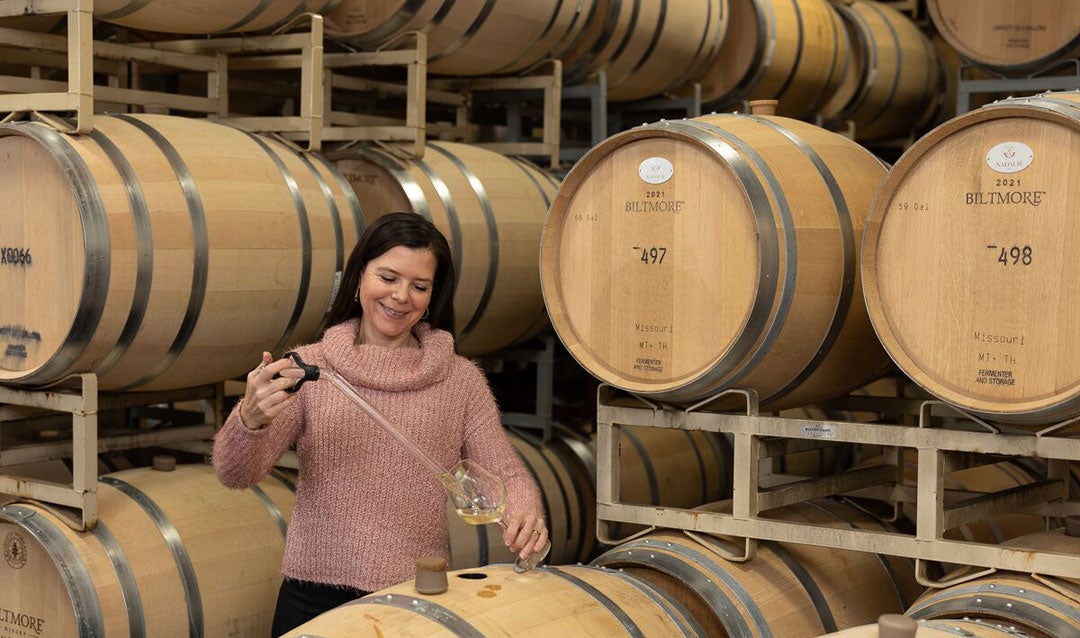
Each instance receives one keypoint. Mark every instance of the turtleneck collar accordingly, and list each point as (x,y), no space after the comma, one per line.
(389,369)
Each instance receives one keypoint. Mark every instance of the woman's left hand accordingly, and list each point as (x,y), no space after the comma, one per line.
(525,534)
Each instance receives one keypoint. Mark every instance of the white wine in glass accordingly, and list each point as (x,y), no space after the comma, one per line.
(480,498)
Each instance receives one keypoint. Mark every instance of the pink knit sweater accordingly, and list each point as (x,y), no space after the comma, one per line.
(366,509)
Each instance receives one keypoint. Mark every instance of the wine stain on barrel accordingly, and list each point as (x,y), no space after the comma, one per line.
(375,621)
(489,591)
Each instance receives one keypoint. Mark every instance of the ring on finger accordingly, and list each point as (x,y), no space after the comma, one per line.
(536,532)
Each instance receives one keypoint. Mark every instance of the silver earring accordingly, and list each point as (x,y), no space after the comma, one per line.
(427,311)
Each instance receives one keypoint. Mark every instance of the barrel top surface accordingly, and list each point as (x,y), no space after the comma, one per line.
(633,266)
(1006,33)
(493,600)
(41,255)
(969,258)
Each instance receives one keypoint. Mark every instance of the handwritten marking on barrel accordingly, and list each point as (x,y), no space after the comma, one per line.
(19,333)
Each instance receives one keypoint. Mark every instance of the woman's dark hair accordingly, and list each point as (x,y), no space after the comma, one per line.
(387,232)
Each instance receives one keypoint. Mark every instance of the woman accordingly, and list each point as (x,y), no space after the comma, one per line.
(366,509)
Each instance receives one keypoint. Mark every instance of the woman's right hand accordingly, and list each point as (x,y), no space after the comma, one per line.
(265,397)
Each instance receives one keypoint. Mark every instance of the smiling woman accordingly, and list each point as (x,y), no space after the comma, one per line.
(367,505)
(394,292)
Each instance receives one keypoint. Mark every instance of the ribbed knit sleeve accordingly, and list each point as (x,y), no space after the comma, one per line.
(242,457)
(486,442)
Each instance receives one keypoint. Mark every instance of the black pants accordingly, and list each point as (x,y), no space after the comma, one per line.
(299,601)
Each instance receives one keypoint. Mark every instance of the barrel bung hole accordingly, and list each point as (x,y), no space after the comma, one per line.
(472,576)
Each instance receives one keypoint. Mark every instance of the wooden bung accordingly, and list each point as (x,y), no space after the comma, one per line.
(164,463)
(896,626)
(969,261)
(431,575)
(763,107)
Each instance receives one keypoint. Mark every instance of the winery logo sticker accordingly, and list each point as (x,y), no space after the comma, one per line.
(15,550)
(655,170)
(1010,157)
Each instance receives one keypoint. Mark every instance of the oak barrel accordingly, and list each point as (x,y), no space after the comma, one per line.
(785,590)
(467,37)
(206,16)
(894,84)
(671,468)
(648,48)
(173,554)
(684,258)
(795,51)
(491,209)
(494,601)
(950,628)
(162,252)
(968,274)
(1008,36)
(1033,607)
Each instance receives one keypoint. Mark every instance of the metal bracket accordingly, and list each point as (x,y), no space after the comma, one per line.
(923,579)
(1064,425)
(606,393)
(1066,588)
(751,395)
(602,535)
(748,553)
(926,416)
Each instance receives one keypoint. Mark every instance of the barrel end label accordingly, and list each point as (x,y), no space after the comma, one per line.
(655,170)
(15,550)
(1010,157)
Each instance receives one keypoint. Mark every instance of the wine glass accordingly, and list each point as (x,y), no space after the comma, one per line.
(480,498)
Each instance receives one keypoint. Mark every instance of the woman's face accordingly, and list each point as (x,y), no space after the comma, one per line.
(395,291)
